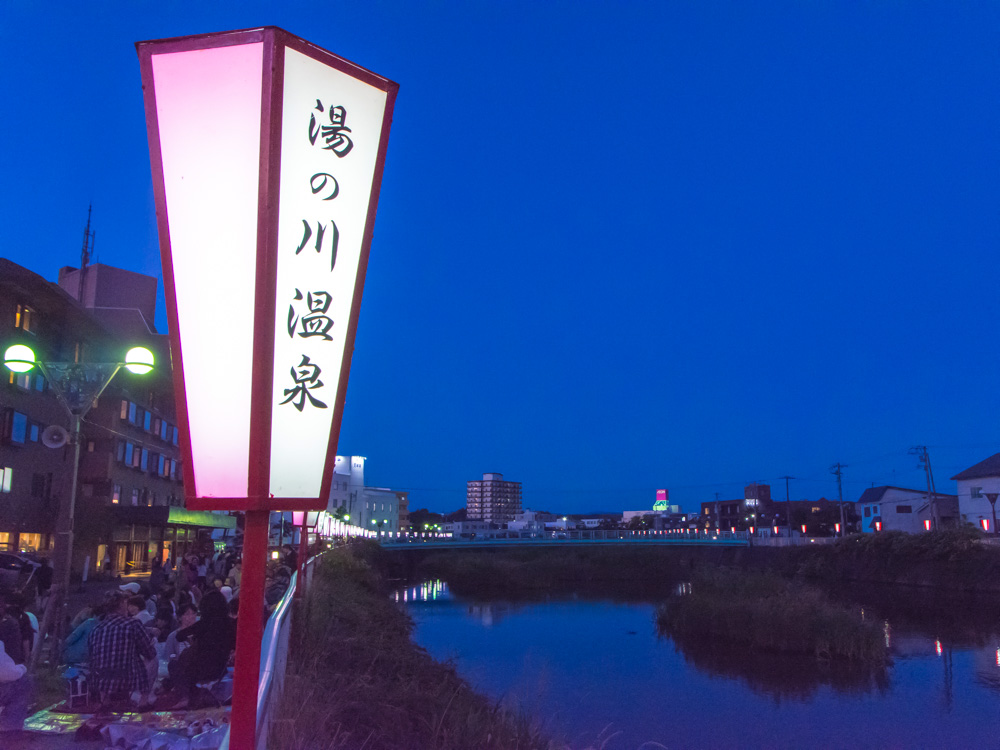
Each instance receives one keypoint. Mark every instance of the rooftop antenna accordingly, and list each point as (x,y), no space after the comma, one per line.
(86,252)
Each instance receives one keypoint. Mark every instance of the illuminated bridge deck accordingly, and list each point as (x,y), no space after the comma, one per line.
(580,538)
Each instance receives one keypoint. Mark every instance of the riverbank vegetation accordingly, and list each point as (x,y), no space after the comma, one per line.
(355,678)
(765,612)
(625,572)
(954,559)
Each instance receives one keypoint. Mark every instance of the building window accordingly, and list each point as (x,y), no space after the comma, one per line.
(129,450)
(41,486)
(147,422)
(904,508)
(976,492)
(164,427)
(116,494)
(24,318)
(135,496)
(6,477)
(33,433)
(22,380)
(868,511)
(144,460)
(176,435)
(17,427)
(136,457)
(131,412)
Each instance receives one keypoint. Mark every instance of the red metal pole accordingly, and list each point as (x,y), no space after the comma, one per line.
(250,631)
(300,585)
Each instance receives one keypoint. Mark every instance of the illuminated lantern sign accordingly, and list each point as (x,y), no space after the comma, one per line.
(267,155)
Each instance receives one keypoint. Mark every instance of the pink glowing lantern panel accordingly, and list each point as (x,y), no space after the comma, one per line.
(208,105)
(267,156)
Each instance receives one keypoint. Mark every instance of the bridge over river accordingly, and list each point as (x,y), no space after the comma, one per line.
(567,538)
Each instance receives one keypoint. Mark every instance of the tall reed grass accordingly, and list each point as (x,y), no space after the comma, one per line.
(764,612)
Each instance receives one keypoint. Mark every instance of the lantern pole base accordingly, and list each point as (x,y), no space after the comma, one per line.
(250,630)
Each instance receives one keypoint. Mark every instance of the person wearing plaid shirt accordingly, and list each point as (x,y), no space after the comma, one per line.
(118,647)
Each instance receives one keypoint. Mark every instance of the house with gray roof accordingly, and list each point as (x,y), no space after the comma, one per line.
(973,485)
(888,508)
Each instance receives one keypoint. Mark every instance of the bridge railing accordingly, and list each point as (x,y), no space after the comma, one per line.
(652,535)
(274,659)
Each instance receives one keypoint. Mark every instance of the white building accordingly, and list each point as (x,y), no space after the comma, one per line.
(368,507)
(901,509)
(469,528)
(973,484)
(530,521)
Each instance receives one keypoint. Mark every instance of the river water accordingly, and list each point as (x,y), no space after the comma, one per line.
(596,674)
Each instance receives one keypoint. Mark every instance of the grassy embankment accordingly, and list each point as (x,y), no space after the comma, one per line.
(626,572)
(955,560)
(766,613)
(357,680)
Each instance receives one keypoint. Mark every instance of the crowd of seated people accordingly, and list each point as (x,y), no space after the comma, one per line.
(146,642)
(156,641)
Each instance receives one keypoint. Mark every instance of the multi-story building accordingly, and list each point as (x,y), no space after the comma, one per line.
(493,498)
(130,498)
(387,508)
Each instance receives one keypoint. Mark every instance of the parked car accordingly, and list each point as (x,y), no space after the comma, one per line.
(15,572)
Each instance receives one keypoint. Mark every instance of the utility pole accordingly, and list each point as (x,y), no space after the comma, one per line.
(788,505)
(837,469)
(920,451)
(86,253)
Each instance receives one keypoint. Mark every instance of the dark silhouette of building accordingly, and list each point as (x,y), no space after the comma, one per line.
(130,497)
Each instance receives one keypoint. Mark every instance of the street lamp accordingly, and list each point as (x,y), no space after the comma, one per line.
(77,385)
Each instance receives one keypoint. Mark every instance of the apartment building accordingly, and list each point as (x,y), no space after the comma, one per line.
(493,498)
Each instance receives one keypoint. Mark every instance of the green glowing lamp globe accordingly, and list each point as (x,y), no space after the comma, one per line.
(19,358)
(139,360)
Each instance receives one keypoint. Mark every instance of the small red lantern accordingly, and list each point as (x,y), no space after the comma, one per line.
(927,524)
(878,526)
(803,528)
(986,524)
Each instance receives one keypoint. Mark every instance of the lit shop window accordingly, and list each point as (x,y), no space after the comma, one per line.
(24,318)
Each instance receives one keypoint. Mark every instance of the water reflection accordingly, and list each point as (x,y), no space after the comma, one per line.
(586,666)
(781,677)
(428,591)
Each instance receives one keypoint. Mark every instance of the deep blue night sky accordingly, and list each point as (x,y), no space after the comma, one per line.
(619,247)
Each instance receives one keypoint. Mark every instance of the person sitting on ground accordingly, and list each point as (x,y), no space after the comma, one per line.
(10,632)
(137,609)
(15,608)
(16,693)
(163,624)
(76,650)
(119,648)
(173,648)
(213,640)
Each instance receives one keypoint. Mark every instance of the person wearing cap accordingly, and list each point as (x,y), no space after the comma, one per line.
(16,693)
(119,648)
